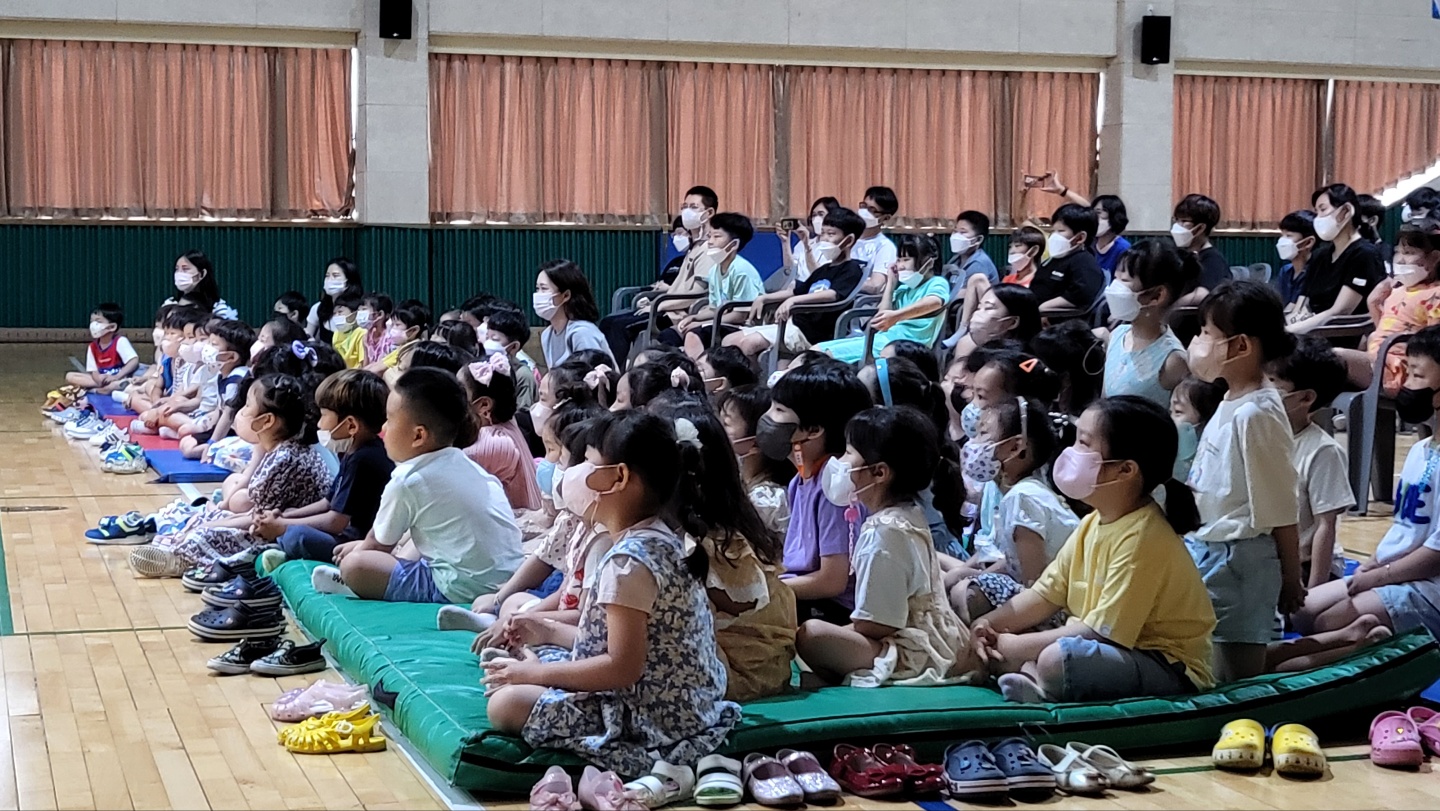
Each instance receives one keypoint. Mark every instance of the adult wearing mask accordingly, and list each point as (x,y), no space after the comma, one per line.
(1345,268)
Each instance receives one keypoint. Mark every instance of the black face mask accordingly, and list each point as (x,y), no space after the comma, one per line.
(773,438)
(1415,405)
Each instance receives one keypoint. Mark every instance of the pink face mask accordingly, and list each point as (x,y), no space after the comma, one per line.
(1077,472)
(575,490)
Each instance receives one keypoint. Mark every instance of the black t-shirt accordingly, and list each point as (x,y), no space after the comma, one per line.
(841,277)
(1075,277)
(1359,267)
(364,472)
(1214,270)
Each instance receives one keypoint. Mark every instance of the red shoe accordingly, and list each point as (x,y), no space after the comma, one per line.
(920,778)
(858,771)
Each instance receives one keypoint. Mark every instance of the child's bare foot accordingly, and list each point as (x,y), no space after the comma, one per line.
(1358,631)
(1378,634)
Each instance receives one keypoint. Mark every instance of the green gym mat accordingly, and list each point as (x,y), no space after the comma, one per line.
(441,706)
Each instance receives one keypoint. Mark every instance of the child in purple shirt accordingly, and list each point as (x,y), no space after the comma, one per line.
(810,407)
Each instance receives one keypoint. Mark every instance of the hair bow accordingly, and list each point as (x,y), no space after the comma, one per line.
(685,431)
(598,378)
(305,353)
(483,371)
(680,380)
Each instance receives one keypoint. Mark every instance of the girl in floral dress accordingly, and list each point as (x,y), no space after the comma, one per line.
(643,681)
(287,472)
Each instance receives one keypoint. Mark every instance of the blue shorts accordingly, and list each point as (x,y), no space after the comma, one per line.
(412,582)
(1412,605)
(550,586)
(1243,578)
(1097,670)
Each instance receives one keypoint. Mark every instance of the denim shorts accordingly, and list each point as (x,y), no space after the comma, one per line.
(1243,578)
(550,586)
(1412,605)
(1095,670)
(412,582)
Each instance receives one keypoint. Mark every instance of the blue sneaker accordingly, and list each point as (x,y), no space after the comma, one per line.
(86,427)
(971,771)
(128,529)
(1023,770)
(65,415)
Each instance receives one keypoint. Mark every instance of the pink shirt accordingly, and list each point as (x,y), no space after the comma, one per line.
(502,450)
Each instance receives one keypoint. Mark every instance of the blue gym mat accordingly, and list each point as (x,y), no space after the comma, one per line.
(106,407)
(174,468)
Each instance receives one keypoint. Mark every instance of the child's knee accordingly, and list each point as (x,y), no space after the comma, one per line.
(977,604)
(508,709)
(809,629)
(1050,669)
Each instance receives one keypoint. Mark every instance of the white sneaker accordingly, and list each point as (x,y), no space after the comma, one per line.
(107,433)
(121,396)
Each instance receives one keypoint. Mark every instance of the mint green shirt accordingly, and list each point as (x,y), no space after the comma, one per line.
(740,283)
(921,330)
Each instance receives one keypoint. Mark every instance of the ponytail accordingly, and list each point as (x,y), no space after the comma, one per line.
(1180,509)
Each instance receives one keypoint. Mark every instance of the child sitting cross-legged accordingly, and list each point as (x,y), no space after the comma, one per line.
(223,355)
(455,513)
(1140,617)
(109,358)
(902,629)
(352,412)
(1399,586)
(501,447)
(644,681)
(285,472)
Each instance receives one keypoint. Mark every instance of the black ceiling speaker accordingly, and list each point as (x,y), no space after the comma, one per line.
(1154,40)
(395,19)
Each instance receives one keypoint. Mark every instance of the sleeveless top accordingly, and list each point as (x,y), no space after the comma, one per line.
(1128,371)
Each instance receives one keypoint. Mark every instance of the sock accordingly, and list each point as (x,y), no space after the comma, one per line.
(166,432)
(327,580)
(458,618)
(1021,689)
(139,427)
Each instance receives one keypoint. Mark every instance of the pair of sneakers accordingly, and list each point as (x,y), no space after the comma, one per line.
(86,425)
(124,458)
(270,656)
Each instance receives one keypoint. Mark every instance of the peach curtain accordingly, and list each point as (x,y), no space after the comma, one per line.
(1053,128)
(1252,144)
(928,134)
(319,161)
(535,139)
(1385,132)
(720,132)
(130,129)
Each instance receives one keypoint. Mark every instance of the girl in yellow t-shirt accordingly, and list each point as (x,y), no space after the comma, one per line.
(1140,617)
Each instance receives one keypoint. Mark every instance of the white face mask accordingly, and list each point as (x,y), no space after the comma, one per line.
(1406,215)
(1102,227)
(690,218)
(334,287)
(1183,236)
(210,356)
(1124,302)
(255,349)
(1328,226)
(960,243)
(190,353)
(718,254)
(335,446)
(825,252)
(1057,245)
(869,217)
(1017,261)
(817,222)
(341,324)
(681,242)
(908,277)
(836,484)
(1410,275)
(1285,246)
(184,281)
(364,319)
(544,304)
(97,329)
(158,335)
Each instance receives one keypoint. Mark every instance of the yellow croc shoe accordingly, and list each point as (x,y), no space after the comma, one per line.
(1297,753)
(341,736)
(1241,746)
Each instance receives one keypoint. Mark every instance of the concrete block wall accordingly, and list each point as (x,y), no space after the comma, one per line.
(1376,38)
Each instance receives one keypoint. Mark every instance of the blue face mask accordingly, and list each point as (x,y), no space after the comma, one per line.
(545,475)
(1185,454)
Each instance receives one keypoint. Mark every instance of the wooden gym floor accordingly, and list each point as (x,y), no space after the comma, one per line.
(108,703)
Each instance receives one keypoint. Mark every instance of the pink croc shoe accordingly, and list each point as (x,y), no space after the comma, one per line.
(1394,742)
(316,700)
(554,792)
(1427,725)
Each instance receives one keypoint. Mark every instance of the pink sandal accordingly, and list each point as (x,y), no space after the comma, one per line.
(317,699)
(1394,741)
(1427,725)
(554,792)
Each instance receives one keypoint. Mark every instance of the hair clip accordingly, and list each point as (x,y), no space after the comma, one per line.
(679,379)
(598,379)
(1028,366)
(686,433)
(305,353)
(485,370)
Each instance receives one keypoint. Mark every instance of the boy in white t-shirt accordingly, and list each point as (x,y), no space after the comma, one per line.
(455,513)
(1398,588)
(874,250)
(1308,379)
(109,358)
